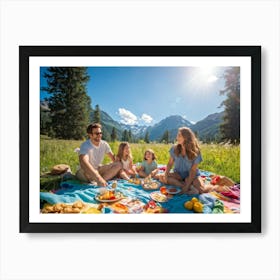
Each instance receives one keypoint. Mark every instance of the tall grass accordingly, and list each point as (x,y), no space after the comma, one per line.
(53,152)
(220,159)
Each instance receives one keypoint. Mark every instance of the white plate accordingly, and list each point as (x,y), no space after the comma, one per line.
(151,186)
(118,197)
(158,196)
(173,190)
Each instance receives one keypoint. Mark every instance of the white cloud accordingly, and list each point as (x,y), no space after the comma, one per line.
(127,117)
(146,118)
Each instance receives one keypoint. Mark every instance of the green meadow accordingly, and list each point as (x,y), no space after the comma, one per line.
(217,158)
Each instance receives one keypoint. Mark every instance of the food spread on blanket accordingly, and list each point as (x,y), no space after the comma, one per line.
(109,196)
(152,208)
(134,205)
(158,196)
(64,208)
(119,208)
(157,209)
(76,197)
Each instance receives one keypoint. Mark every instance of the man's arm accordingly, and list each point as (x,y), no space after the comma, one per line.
(91,173)
(111,156)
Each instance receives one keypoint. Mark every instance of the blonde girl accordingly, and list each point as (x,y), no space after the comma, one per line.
(148,165)
(185,156)
(125,157)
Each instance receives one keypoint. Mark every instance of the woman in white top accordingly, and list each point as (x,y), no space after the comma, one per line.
(125,157)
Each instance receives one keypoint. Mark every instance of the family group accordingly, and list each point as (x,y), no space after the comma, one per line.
(181,170)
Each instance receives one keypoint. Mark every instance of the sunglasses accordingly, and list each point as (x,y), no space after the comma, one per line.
(97,133)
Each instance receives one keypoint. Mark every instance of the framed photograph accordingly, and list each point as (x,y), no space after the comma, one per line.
(140,139)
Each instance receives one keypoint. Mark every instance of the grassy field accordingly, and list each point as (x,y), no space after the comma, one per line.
(220,159)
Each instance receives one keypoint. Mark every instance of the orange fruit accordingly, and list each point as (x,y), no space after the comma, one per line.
(188,205)
(198,207)
(194,200)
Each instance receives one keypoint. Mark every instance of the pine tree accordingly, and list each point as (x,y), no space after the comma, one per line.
(68,101)
(165,137)
(230,128)
(130,136)
(146,139)
(97,115)
(45,119)
(125,135)
(114,135)
(106,134)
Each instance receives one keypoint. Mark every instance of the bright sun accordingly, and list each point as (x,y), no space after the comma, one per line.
(205,75)
(202,79)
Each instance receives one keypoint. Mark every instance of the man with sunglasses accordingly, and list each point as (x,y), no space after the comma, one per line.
(91,156)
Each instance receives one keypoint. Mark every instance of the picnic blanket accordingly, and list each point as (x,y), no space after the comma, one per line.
(137,200)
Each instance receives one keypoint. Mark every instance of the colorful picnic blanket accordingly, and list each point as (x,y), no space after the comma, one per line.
(72,191)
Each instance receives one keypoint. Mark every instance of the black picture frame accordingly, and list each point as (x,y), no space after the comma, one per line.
(254,52)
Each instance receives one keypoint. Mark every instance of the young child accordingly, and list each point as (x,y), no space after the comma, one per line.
(148,165)
(125,157)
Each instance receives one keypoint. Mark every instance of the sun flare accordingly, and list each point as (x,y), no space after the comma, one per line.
(201,79)
(205,74)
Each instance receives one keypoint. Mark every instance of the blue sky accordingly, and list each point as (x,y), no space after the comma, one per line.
(146,95)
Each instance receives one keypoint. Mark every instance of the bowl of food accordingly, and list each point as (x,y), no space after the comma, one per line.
(108,196)
(173,190)
(153,185)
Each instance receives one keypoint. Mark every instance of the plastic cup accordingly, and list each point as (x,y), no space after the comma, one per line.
(163,190)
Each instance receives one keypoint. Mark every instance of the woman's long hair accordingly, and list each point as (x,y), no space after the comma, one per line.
(120,152)
(190,144)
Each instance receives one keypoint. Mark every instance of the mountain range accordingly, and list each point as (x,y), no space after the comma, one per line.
(207,129)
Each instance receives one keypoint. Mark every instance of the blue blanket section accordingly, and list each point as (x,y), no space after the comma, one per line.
(72,191)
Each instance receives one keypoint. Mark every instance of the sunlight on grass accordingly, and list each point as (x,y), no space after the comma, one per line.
(220,159)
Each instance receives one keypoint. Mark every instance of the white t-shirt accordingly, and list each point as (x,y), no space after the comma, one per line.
(95,153)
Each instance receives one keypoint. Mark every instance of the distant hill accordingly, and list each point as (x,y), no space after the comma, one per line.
(208,129)
(171,123)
